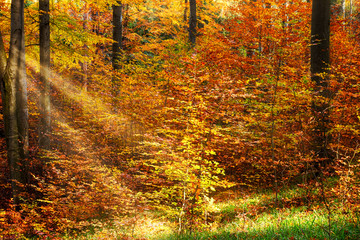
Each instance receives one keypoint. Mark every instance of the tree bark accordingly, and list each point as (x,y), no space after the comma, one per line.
(343,9)
(14,95)
(117,45)
(117,35)
(320,63)
(18,73)
(3,60)
(185,11)
(3,80)
(45,119)
(84,64)
(192,22)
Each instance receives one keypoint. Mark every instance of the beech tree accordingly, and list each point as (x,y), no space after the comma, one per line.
(343,8)
(44,128)
(117,34)
(14,95)
(320,62)
(185,10)
(18,72)
(192,22)
(117,44)
(3,59)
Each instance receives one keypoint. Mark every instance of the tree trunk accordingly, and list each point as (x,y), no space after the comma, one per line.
(3,80)
(117,45)
(14,96)
(45,120)
(18,73)
(192,22)
(343,9)
(117,35)
(3,59)
(84,65)
(320,63)
(185,11)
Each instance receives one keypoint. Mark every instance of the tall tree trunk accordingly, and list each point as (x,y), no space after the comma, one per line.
(350,8)
(18,73)
(117,35)
(185,11)
(343,9)
(117,44)
(192,22)
(13,88)
(16,163)
(84,65)
(3,80)
(3,60)
(45,119)
(320,63)
(16,96)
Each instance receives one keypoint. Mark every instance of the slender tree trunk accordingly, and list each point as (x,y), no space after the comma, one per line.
(192,22)
(45,119)
(3,60)
(18,73)
(343,9)
(84,65)
(96,26)
(320,63)
(185,11)
(117,45)
(117,35)
(3,80)
(350,17)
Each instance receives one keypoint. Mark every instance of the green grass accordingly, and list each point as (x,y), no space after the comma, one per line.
(256,216)
(284,224)
(252,216)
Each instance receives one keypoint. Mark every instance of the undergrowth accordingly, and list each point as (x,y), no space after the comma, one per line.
(246,216)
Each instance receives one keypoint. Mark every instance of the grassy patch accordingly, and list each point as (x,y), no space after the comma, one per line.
(260,216)
(285,224)
(241,216)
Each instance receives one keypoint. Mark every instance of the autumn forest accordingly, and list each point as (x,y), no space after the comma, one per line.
(180,119)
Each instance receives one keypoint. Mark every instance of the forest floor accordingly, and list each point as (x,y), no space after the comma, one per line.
(248,216)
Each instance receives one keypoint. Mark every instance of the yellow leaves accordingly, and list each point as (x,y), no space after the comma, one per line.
(210,152)
(2,217)
(45,201)
(134,37)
